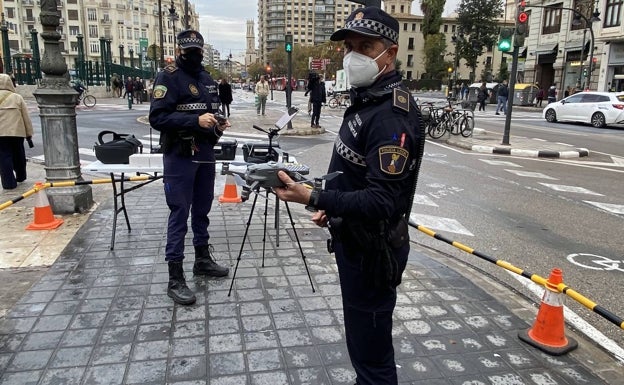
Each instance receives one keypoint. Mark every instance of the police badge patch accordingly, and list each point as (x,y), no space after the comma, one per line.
(193,89)
(159,92)
(392,159)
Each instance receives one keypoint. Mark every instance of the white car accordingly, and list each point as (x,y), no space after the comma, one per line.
(597,108)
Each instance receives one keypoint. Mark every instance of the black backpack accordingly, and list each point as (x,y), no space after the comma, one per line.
(117,150)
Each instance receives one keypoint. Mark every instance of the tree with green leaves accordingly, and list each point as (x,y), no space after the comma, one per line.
(477,20)
(435,42)
(503,72)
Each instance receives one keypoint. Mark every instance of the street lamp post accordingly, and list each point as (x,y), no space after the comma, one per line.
(579,84)
(160,30)
(173,17)
(121,60)
(131,52)
(4,28)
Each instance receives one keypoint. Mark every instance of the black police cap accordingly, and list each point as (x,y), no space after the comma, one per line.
(190,39)
(370,21)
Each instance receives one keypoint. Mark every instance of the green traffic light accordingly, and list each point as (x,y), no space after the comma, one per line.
(504,45)
(288,47)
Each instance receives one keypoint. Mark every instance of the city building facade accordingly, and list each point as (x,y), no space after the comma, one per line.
(131,26)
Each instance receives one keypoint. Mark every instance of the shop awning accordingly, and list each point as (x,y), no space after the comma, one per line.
(546,49)
(576,45)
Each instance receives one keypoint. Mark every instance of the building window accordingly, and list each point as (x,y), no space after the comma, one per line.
(10,12)
(413,27)
(73,46)
(410,44)
(404,26)
(552,19)
(613,10)
(91,14)
(93,31)
(72,14)
(409,75)
(95,47)
(445,28)
(74,30)
(410,60)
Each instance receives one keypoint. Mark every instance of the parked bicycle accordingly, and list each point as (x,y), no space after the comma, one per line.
(438,120)
(339,100)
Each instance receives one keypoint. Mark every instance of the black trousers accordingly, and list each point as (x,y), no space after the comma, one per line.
(316,113)
(368,317)
(12,161)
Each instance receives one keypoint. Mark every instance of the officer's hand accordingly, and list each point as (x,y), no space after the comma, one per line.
(208,120)
(319,218)
(292,192)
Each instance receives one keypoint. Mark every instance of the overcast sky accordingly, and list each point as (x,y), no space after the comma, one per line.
(224,23)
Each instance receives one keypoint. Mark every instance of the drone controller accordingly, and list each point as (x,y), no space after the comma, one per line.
(221,119)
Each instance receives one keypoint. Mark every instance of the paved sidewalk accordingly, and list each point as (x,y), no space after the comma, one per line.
(102,317)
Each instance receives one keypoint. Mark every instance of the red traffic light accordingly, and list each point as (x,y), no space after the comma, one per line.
(523,17)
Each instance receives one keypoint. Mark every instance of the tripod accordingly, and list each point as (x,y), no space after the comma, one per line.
(292,223)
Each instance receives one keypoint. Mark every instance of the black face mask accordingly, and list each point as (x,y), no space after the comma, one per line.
(192,58)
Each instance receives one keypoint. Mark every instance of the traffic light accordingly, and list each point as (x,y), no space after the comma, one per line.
(504,40)
(288,44)
(584,72)
(268,69)
(522,19)
(449,70)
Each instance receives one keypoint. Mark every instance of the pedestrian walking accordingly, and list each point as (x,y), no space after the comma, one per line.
(539,97)
(378,150)
(128,87)
(552,94)
(16,126)
(464,91)
(185,99)
(116,85)
(225,95)
(318,96)
(138,88)
(501,98)
(482,96)
(262,90)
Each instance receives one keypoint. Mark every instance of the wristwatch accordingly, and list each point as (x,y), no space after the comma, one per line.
(313,202)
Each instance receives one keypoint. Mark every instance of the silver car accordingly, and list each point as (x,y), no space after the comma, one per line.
(597,108)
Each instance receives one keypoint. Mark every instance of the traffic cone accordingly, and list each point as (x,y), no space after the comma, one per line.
(44,219)
(547,333)
(230,192)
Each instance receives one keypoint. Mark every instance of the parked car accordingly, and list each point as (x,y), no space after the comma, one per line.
(597,108)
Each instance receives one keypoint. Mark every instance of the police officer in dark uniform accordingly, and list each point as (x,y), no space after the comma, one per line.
(185,100)
(378,149)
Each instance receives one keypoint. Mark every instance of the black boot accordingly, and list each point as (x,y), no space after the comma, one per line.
(205,263)
(177,288)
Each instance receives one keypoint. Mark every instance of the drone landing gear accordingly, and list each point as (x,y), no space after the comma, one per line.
(292,223)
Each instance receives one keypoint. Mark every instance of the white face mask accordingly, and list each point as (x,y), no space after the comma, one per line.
(361,70)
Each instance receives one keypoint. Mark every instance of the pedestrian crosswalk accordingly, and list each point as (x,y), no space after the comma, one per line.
(451,225)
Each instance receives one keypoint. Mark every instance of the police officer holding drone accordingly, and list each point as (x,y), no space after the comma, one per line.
(185,111)
(379,149)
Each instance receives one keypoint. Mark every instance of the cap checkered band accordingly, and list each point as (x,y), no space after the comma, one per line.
(193,39)
(348,154)
(374,26)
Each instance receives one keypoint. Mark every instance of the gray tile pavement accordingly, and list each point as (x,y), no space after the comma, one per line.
(102,317)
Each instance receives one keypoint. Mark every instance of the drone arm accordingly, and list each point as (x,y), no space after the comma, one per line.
(261,129)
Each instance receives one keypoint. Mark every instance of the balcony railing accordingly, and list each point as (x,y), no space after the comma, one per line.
(28,3)
(28,19)
(106,21)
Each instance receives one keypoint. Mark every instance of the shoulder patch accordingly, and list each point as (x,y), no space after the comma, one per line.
(401,99)
(160,91)
(392,159)
(171,68)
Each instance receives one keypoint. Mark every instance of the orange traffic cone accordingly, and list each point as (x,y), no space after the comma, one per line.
(44,219)
(547,333)
(230,192)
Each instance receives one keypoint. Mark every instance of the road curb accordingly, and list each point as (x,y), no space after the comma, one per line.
(576,153)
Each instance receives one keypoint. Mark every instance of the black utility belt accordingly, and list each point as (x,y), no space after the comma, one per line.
(395,233)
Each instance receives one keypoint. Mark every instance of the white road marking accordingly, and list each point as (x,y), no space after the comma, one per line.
(574,189)
(423,200)
(530,174)
(500,163)
(440,223)
(613,208)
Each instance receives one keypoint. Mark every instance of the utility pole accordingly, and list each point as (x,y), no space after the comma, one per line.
(288,47)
